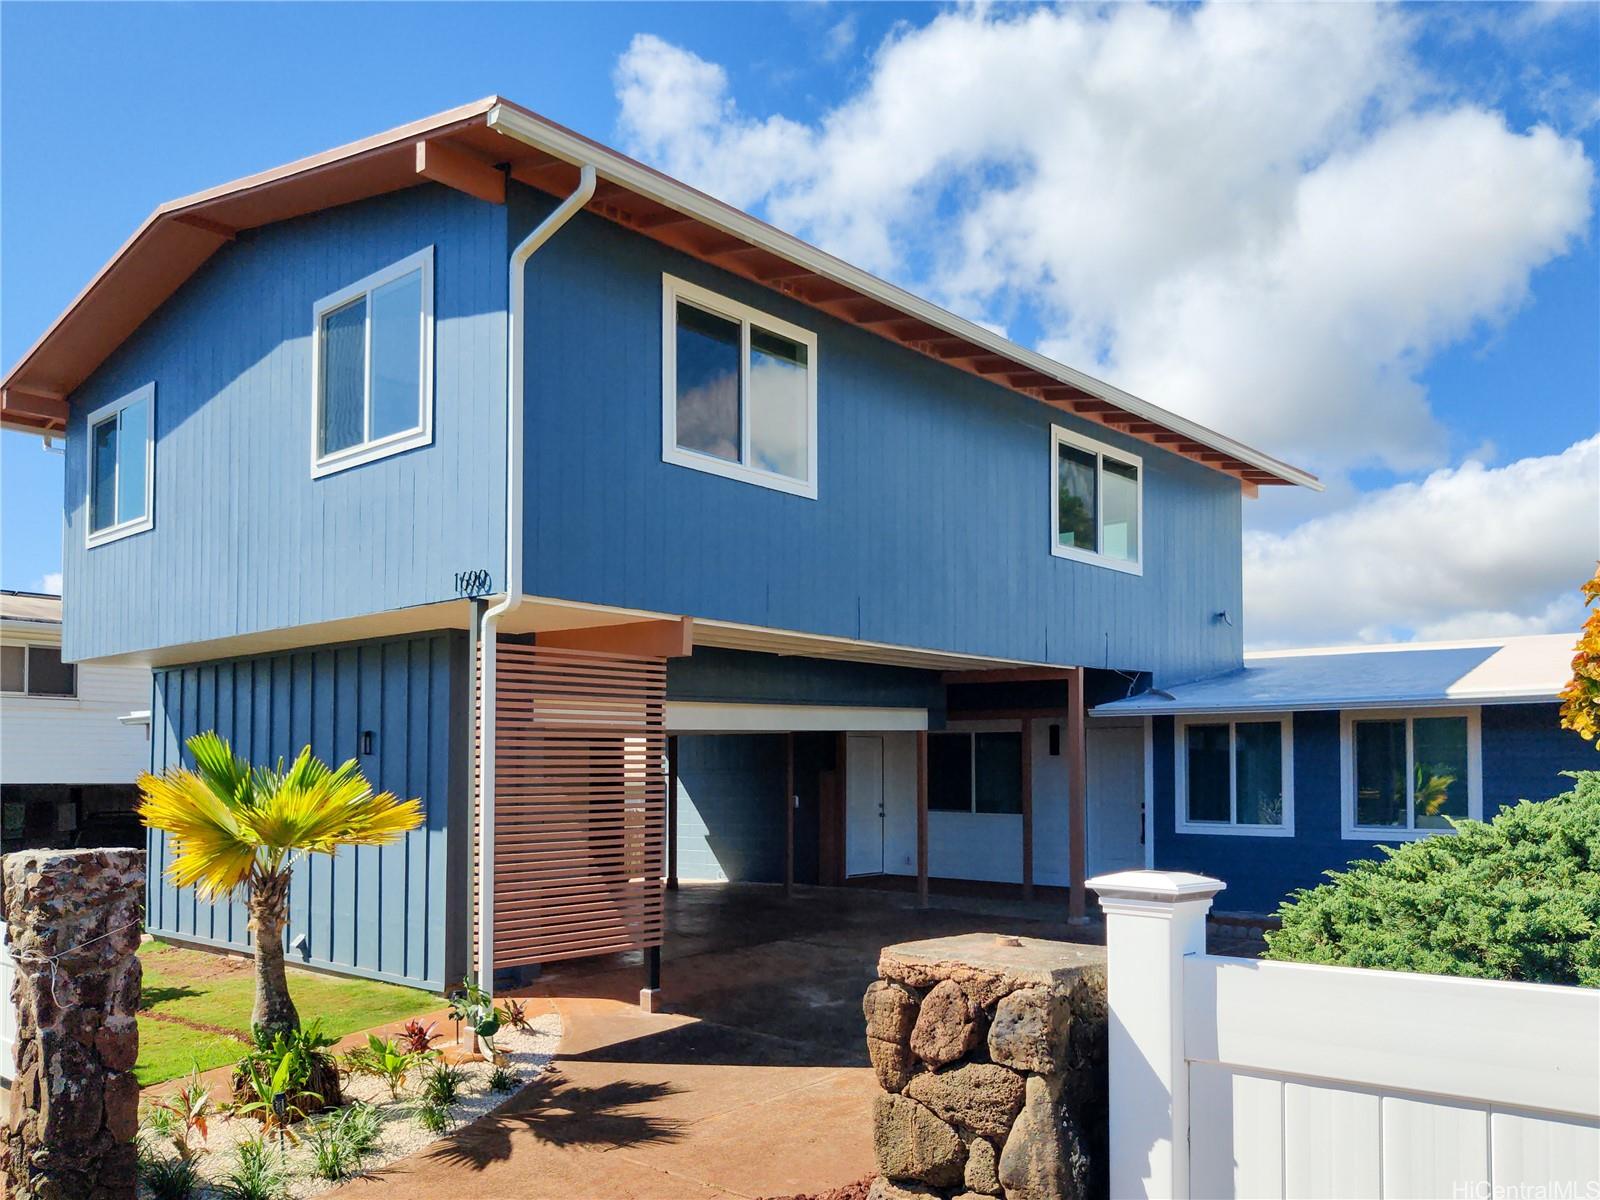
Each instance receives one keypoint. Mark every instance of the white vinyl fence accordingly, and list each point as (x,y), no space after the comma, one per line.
(1238,1077)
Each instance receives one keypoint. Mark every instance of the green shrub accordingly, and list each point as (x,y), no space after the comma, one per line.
(502,1079)
(442,1084)
(1516,898)
(340,1140)
(169,1178)
(257,1174)
(435,1118)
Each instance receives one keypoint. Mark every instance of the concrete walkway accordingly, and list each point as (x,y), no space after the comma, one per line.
(754,1083)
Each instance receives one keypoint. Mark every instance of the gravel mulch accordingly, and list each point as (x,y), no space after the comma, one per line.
(403,1134)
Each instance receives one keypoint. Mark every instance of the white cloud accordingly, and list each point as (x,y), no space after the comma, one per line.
(1470,551)
(1265,217)
(49,582)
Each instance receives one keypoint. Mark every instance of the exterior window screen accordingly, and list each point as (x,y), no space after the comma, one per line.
(950,772)
(1234,777)
(121,458)
(1097,495)
(374,376)
(739,391)
(1409,774)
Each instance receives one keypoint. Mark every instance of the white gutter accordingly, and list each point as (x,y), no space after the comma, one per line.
(515,502)
(637,178)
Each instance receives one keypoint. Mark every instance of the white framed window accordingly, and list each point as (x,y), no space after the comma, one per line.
(372,367)
(1402,774)
(738,391)
(27,670)
(1096,501)
(120,499)
(1235,774)
(975,771)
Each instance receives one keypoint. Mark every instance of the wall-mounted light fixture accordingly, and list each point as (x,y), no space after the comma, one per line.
(366,741)
(1055,741)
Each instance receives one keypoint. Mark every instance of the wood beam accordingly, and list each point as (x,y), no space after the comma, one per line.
(217,229)
(672,814)
(457,169)
(788,815)
(26,402)
(1027,808)
(643,639)
(1077,798)
(1008,675)
(922,818)
(662,219)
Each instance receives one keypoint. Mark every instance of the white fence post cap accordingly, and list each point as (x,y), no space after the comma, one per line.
(1171,887)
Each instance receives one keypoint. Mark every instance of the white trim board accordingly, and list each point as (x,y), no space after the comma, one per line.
(697,716)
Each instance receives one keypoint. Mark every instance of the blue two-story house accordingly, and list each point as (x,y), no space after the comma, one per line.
(636,537)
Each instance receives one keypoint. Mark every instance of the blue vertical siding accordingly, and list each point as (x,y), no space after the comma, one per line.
(730,807)
(244,539)
(1524,752)
(392,912)
(933,522)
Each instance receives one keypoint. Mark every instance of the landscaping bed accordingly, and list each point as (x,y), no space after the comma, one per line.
(314,1155)
(194,1010)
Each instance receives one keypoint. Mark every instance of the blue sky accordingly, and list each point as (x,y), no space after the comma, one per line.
(1363,239)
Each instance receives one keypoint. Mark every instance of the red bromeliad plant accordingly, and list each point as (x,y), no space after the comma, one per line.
(417,1038)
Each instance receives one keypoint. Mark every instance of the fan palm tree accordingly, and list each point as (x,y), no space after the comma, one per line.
(236,826)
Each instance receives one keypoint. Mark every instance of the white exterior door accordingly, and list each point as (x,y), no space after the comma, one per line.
(1116,799)
(863,837)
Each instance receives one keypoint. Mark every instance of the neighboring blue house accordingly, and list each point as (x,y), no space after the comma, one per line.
(634,536)
(1304,760)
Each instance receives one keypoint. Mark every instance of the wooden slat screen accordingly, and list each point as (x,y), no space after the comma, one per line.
(580,803)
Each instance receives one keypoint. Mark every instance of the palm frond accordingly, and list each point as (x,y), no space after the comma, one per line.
(223,772)
(213,850)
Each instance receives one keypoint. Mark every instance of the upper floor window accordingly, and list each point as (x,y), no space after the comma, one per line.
(1098,495)
(372,367)
(122,460)
(1404,774)
(1235,776)
(36,671)
(979,772)
(739,391)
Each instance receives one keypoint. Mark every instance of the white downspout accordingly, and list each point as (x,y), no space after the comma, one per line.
(515,501)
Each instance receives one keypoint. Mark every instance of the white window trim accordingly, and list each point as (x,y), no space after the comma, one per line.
(1180,775)
(970,730)
(99,537)
(1349,830)
(1060,435)
(27,649)
(402,440)
(674,289)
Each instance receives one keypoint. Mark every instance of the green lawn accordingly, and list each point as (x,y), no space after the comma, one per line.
(195,1009)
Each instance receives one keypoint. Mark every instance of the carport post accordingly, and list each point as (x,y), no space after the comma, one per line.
(1077,798)
(922,818)
(1027,808)
(789,801)
(672,814)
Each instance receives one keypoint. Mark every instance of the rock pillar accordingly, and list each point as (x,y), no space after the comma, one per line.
(74,919)
(991,1053)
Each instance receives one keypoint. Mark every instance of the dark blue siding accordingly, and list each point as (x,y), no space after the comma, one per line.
(391,912)
(933,522)
(244,538)
(1524,751)
(730,807)
(742,677)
